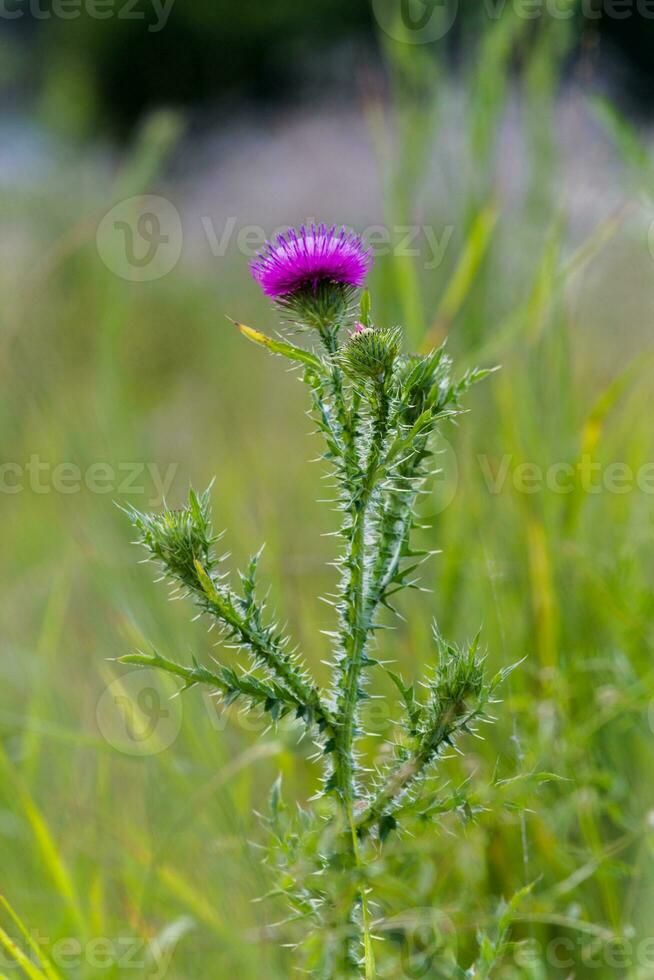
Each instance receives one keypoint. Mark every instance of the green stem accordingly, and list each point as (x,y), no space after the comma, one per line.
(357,623)
(229,683)
(368,952)
(394,527)
(356,629)
(262,645)
(354,646)
(347,418)
(388,798)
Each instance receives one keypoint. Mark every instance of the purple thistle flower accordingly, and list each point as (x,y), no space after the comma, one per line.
(305,258)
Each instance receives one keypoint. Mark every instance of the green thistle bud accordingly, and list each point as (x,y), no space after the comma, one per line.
(371,353)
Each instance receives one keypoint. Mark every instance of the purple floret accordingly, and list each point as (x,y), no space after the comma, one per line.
(309,256)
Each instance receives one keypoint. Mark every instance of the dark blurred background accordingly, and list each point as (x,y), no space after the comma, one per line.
(80,66)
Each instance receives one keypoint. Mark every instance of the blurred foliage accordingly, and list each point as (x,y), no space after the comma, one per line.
(98,66)
(190,55)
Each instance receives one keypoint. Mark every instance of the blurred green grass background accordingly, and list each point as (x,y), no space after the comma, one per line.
(100,843)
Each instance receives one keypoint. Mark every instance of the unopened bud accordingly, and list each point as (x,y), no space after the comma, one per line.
(371,353)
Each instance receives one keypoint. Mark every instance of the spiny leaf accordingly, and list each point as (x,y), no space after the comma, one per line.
(289,351)
(387,824)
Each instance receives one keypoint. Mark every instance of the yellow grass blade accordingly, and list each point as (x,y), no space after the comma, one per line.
(543,594)
(52,860)
(48,969)
(19,957)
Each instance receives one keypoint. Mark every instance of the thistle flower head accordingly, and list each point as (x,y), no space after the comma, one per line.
(371,353)
(303,259)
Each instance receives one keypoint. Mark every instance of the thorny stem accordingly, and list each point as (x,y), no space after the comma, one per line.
(356,631)
(345,723)
(229,684)
(368,952)
(356,625)
(263,649)
(347,417)
(389,796)
(357,622)
(395,525)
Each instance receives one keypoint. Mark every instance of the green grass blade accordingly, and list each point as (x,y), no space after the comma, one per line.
(631,147)
(48,969)
(19,957)
(465,273)
(52,860)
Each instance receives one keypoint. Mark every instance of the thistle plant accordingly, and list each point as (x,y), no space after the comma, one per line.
(378,411)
